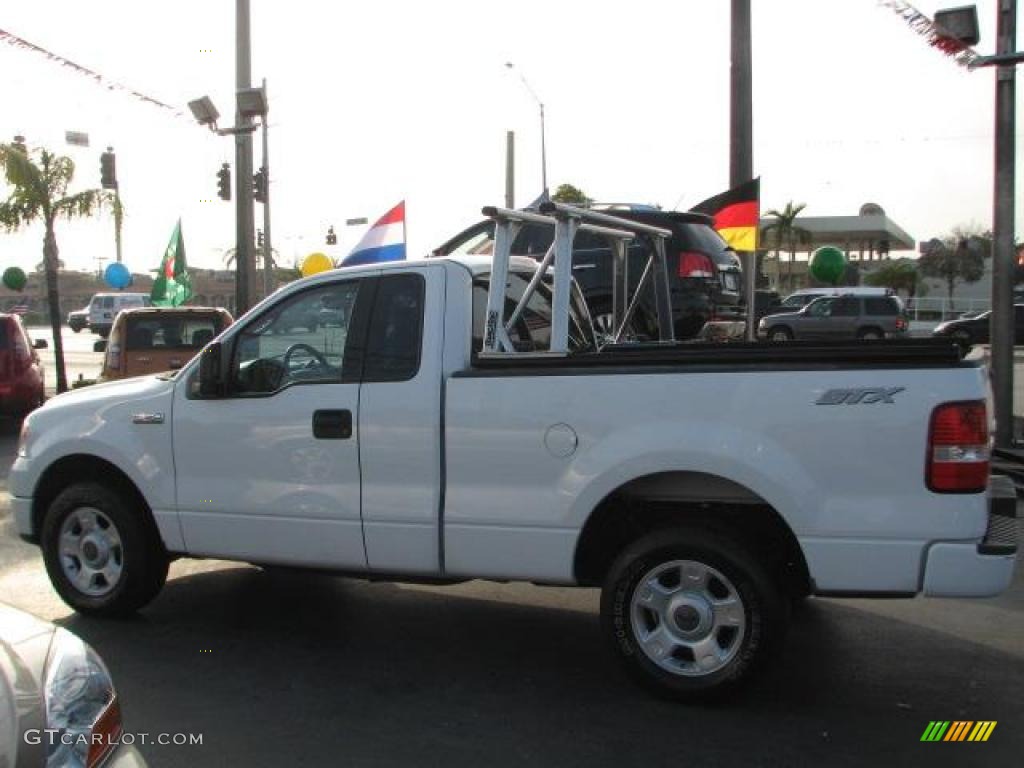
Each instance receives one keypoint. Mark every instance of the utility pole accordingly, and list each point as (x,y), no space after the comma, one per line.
(244,214)
(741,133)
(1002,320)
(268,258)
(510,169)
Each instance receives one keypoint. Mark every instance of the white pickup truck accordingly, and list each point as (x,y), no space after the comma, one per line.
(700,487)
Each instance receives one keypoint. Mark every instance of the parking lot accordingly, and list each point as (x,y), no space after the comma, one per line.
(314,670)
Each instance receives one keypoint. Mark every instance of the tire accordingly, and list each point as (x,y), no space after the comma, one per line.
(870,334)
(129,561)
(603,319)
(735,614)
(780,333)
(963,338)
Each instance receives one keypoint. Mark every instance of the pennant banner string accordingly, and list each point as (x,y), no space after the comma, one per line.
(18,42)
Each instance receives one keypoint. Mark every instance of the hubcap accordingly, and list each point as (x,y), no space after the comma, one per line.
(91,555)
(687,618)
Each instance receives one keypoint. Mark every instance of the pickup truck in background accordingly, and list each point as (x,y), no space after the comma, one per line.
(700,487)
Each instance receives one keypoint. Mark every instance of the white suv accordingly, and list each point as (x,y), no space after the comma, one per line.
(103,308)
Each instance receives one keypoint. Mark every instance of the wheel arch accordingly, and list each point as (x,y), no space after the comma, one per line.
(679,498)
(77,468)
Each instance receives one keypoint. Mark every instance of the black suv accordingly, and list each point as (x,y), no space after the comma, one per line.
(704,272)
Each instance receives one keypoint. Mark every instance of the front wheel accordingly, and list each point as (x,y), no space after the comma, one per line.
(690,613)
(103,554)
(780,333)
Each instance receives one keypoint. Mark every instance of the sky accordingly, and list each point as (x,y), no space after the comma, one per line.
(373,103)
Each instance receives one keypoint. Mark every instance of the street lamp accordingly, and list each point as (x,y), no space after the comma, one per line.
(543,149)
(251,102)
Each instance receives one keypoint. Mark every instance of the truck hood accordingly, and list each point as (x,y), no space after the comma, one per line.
(780,316)
(95,396)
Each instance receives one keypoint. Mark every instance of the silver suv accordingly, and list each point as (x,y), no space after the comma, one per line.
(838,317)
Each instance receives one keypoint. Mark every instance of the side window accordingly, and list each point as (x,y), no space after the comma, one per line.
(821,308)
(846,307)
(396,330)
(286,344)
(881,306)
(108,302)
(533,240)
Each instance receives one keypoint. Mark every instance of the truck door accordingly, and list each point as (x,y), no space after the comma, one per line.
(269,472)
(400,422)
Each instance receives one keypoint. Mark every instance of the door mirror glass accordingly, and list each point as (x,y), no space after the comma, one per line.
(210,379)
(40,344)
(100,346)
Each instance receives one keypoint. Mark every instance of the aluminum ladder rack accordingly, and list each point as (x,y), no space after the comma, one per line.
(567,220)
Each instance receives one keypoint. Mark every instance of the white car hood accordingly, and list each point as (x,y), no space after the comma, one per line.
(96,396)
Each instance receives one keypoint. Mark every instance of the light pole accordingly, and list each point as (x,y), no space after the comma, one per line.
(543,143)
(741,133)
(961,25)
(251,102)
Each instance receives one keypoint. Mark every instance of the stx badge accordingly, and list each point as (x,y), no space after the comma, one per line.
(862,396)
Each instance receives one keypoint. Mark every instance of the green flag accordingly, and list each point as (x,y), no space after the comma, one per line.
(173,286)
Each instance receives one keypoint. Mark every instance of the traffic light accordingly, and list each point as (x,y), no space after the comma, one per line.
(259,237)
(108,170)
(224,182)
(332,239)
(259,185)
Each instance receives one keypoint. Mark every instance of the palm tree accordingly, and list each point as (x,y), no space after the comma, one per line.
(39,191)
(787,232)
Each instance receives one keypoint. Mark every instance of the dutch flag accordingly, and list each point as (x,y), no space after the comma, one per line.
(384,241)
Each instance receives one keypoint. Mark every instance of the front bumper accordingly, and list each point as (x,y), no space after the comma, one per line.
(978,569)
(21,509)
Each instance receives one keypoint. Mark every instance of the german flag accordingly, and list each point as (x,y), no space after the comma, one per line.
(736,214)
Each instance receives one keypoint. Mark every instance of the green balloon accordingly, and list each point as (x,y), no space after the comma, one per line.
(828,264)
(14,278)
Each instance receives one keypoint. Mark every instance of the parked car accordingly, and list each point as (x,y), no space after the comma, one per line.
(975,330)
(155,339)
(22,376)
(58,704)
(839,317)
(78,319)
(412,449)
(103,308)
(704,272)
(800,299)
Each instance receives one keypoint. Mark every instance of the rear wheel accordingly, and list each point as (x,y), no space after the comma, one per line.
(603,319)
(691,614)
(780,333)
(870,334)
(103,554)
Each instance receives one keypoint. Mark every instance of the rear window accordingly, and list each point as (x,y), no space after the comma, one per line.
(172,333)
(5,338)
(881,306)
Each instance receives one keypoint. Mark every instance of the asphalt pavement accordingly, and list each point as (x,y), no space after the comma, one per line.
(306,670)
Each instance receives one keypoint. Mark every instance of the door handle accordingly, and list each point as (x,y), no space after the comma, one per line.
(332,425)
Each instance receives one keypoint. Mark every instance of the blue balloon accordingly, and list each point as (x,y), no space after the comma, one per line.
(117,276)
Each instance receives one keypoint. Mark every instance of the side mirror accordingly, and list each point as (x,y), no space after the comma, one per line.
(210,374)
(40,344)
(100,346)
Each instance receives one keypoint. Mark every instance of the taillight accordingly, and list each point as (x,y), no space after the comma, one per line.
(694,264)
(901,324)
(958,448)
(114,357)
